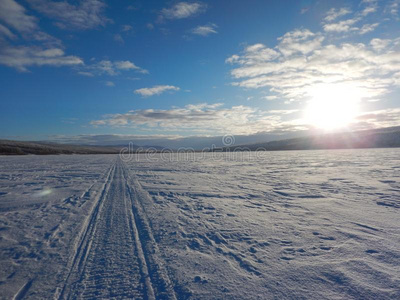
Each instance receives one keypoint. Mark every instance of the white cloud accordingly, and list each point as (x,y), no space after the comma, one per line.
(7,32)
(379,44)
(111,68)
(127,65)
(282,111)
(205,30)
(346,26)
(182,10)
(16,18)
(201,119)
(253,54)
(233,59)
(369,9)
(393,7)
(110,83)
(102,67)
(299,41)
(342,26)
(84,15)
(335,13)
(14,15)
(368,28)
(22,57)
(40,49)
(271,97)
(156,90)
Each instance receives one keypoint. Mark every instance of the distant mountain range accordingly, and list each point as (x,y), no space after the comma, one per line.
(376,138)
(42,148)
(8,147)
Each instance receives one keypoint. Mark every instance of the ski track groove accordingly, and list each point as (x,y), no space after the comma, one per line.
(83,238)
(23,290)
(157,270)
(115,254)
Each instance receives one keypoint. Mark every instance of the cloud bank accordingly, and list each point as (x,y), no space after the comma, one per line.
(202,119)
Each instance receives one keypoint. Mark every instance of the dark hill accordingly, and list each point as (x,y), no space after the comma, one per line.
(377,138)
(41,148)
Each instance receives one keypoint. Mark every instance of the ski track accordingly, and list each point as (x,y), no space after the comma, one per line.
(23,291)
(116,255)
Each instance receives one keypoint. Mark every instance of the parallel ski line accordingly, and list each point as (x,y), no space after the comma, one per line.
(112,267)
(162,285)
(141,257)
(84,238)
(23,290)
(152,271)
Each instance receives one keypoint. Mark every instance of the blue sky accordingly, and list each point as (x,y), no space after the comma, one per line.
(168,69)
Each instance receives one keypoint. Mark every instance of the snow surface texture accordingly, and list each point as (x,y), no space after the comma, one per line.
(273,225)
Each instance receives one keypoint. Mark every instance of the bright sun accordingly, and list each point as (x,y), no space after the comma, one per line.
(332,106)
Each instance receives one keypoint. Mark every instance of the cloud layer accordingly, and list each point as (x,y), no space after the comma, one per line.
(202,119)
(302,61)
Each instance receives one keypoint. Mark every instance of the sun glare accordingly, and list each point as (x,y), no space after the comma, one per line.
(332,106)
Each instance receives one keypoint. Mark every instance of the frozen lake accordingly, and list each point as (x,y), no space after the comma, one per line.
(271,225)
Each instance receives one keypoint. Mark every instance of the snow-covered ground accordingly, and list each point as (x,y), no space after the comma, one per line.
(272,225)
